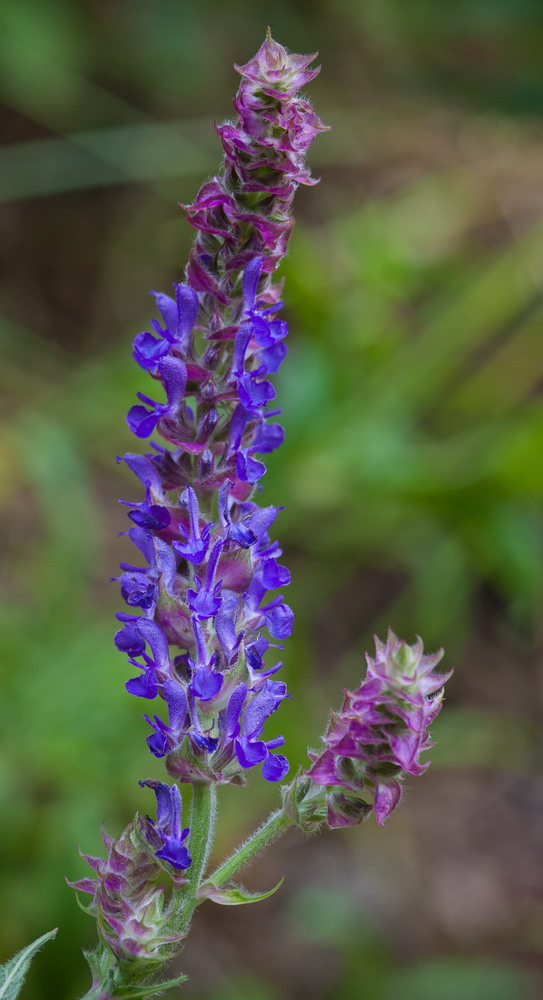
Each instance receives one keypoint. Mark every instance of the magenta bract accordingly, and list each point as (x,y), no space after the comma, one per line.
(379,733)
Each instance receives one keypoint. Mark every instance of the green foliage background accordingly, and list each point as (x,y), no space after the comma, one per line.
(412,472)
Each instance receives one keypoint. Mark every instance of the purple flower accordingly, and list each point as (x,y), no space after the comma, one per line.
(273,574)
(152,517)
(168,736)
(138,590)
(249,747)
(249,469)
(196,543)
(255,393)
(168,825)
(219,342)
(143,421)
(200,600)
(132,639)
(179,317)
(380,732)
(205,682)
(277,615)
(205,601)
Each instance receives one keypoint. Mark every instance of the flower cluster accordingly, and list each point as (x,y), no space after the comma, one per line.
(207,604)
(129,908)
(246,210)
(380,732)
(205,593)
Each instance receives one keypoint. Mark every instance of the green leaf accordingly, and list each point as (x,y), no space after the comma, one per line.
(235,896)
(12,974)
(150,990)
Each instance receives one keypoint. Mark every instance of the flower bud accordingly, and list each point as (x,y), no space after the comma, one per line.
(379,734)
(128,906)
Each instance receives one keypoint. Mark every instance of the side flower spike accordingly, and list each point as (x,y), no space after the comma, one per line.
(379,733)
(130,911)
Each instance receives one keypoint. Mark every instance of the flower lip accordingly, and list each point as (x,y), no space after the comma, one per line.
(168,824)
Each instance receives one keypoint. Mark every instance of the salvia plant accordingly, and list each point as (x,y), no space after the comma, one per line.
(205,592)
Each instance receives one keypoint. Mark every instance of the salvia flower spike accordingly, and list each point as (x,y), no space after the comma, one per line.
(204,590)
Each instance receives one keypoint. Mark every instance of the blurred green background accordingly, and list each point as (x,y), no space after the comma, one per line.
(412,471)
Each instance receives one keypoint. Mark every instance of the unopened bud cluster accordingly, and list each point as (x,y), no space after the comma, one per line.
(379,733)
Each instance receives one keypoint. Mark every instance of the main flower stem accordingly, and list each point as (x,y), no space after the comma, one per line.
(274,827)
(202,825)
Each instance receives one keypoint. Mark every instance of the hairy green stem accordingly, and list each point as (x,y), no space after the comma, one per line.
(273,828)
(202,825)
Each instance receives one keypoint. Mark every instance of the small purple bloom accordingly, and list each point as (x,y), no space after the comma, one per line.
(254,652)
(148,350)
(267,333)
(206,600)
(255,393)
(138,590)
(249,469)
(142,421)
(179,316)
(279,618)
(196,543)
(132,640)
(167,736)
(273,574)
(268,438)
(250,748)
(168,824)
(205,682)
(253,521)
(152,517)
(146,685)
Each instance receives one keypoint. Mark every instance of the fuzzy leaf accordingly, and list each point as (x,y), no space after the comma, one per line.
(12,974)
(235,896)
(149,990)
